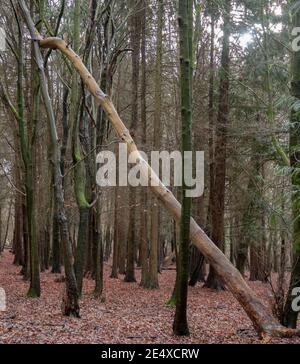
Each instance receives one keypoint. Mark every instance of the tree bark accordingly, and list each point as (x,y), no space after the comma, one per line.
(144,249)
(218,197)
(117,222)
(135,34)
(185,20)
(154,246)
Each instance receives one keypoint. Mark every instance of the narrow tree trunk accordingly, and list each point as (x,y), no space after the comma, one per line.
(56,259)
(211,122)
(3,243)
(185,20)
(218,198)
(154,247)
(131,238)
(98,291)
(144,249)
(32,262)
(121,240)
(56,248)
(81,245)
(196,267)
(250,235)
(26,268)
(79,173)
(135,35)
(18,241)
(116,244)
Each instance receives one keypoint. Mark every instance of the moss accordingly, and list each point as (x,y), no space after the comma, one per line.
(32,293)
(80,187)
(171,302)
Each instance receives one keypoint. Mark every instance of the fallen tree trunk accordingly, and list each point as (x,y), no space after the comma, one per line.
(264,323)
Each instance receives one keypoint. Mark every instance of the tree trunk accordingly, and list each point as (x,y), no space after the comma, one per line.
(121,239)
(218,198)
(135,34)
(27,156)
(79,173)
(196,267)
(18,242)
(56,248)
(98,291)
(185,20)
(3,243)
(116,244)
(144,249)
(56,259)
(154,246)
(211,121)
(131,239)
(250,234)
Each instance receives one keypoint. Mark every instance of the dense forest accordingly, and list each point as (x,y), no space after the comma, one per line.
(123,252)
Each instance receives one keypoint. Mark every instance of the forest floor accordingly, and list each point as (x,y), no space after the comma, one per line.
(129,314)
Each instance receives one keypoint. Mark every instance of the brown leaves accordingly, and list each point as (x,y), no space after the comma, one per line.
(130,314)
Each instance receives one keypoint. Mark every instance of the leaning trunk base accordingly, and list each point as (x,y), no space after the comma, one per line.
(273,331)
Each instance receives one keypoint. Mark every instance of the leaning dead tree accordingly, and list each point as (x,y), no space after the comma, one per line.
(263,321)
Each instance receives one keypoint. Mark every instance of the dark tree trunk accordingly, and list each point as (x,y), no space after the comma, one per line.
(121,231)
(18,241)
(81,246)
(185,20)
(135,35)
(56,249)
(116,243)
(218,198)
(196,267)
(130,272)
(26,267)
(157,130)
